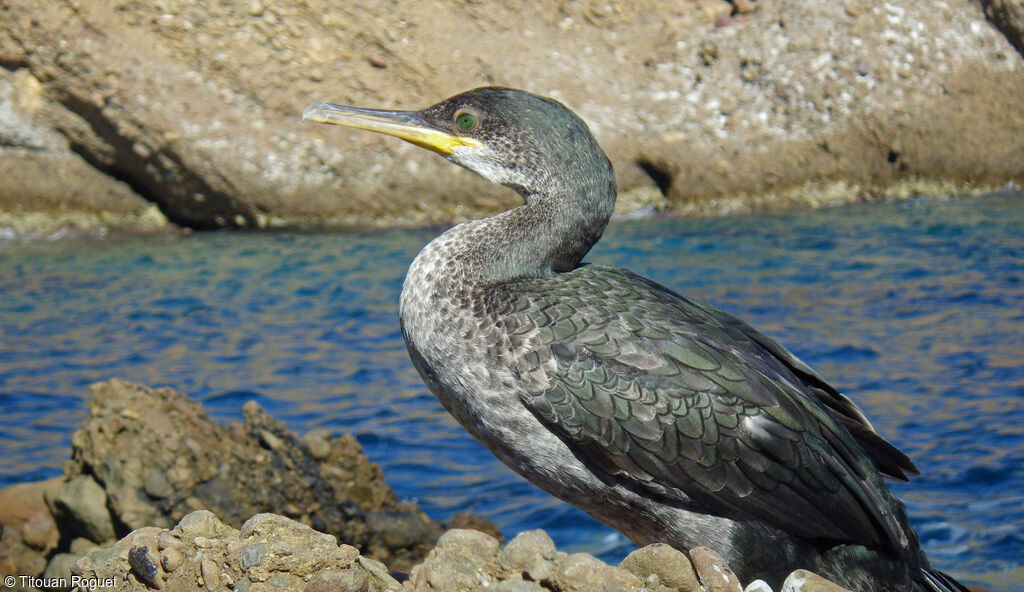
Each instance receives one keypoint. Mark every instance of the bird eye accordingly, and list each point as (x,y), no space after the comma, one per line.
(465,121)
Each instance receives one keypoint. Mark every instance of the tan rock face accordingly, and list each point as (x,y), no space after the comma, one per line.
(194,105)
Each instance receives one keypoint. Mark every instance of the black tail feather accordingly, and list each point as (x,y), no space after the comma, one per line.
(936,581)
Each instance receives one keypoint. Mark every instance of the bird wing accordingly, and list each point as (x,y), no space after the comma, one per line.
(695,406)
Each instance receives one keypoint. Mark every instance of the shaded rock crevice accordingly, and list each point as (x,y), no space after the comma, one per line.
(1008,17)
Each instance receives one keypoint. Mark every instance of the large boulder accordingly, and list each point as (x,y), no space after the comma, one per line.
(703,106)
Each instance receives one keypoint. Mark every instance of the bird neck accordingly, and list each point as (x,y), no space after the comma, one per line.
(550,233)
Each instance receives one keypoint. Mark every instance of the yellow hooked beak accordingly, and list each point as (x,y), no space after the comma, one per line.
(407,125)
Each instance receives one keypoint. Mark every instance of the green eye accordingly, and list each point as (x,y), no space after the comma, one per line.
(465,122)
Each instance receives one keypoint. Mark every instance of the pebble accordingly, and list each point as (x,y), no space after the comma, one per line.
(472,541)
(251,555)
(670,565)
(713,571)
(39,531)
(522,550)
(170,559)
(255,8)
(200,523)
(318,443)
(211,573)
(758,586)
(157,486)
(802,580)
(143,561)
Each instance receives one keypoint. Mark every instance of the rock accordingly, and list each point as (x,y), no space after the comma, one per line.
(714,573)
(318,443)
(80,545)
(23,507)
(59,568)
(159,457)
(672,567)
(273,552)
(585,573)
(193,108)
(48,189)
(1008,17)
(269,552)
(758,586)
(17,558)
(802,580)
(462,560)
(396,529)
(80,507)
(144,557)
(527,548)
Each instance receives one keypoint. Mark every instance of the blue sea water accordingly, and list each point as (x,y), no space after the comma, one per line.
(915,309)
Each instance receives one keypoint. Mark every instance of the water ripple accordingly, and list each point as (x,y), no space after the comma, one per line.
(914,309)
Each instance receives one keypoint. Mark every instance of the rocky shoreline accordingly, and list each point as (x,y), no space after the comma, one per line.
(156,496)
(149,116)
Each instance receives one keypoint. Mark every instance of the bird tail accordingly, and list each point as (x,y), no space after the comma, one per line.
(936,581)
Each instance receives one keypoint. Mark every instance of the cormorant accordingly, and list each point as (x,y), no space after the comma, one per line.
(663,417)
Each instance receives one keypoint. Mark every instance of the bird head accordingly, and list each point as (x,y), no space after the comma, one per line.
(508,136)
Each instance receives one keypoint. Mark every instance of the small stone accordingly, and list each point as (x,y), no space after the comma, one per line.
(167,540)
(339,580)
(758,586)
(715,9)
(802,580)
(714,573)
(269,440)
(211,573)
(581,572)
(170,559)
(40,531)
(854,9)
(671,566)
(745,6)
(319,444)
(478,543)
(252,555)
(80,546)
(157,486)
(255,8)
(379,572)
(199,523)
(378,61)
(527,546)
(59,567)
(23,506)
(144,563)
(539,570)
